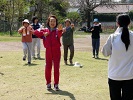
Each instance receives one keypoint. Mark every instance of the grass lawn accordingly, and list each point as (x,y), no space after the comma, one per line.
(7,38)
(19,81)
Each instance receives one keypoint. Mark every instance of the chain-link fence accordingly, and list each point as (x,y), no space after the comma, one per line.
(4,26)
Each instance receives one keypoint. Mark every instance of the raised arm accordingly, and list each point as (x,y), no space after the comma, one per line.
(20,30)
(41,33)
(60,30)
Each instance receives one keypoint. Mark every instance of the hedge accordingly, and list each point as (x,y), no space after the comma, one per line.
(109,17)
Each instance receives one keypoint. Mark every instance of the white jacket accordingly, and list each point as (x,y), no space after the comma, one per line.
(120,65)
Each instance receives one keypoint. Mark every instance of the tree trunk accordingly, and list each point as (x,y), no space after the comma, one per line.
(10,31)
(88,19)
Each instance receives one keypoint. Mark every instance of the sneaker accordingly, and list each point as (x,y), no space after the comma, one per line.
(48,86)
(97,56)
(65,62)
(56,87)
(38,56)
(71,62)
(29,63)
(34,58)
(24,58)
(93,56)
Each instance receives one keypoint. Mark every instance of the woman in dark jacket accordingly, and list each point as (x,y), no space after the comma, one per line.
(95,29)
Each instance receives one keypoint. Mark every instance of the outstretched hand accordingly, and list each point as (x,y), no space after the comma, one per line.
(72,25)
(60,27)
(45,34)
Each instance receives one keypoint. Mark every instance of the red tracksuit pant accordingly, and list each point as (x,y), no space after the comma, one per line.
(53,56)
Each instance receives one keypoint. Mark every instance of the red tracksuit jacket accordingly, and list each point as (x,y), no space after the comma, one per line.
(53,53)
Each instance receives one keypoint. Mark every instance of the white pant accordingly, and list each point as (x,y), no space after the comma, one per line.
(27,48)
(36,42)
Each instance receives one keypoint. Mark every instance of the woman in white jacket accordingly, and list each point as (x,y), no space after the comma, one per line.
(119,46)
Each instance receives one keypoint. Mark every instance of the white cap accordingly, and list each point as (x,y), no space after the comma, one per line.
(26,21)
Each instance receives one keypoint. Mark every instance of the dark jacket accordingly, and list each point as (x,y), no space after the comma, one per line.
(95,32)
(67,37)
(35,27)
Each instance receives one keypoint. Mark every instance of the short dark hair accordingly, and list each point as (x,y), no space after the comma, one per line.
(34,18)
(48,20)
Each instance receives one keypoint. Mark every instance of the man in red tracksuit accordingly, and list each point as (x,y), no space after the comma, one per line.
(51,40)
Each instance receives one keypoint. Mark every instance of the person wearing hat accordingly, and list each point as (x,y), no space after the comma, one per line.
(95,29)
(26,31)
(35,40)
(68,42)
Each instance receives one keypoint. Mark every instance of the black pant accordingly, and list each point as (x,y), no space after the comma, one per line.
(95,46)
(121,90)
(71,47)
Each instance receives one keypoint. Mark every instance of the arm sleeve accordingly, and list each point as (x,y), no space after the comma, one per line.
(107,47)
(59,33)
(20,30)
(90,29)
(32,30)
(73,29)
(39,33)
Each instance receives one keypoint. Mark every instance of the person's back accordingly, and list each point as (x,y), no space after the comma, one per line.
(121,60)
(119,46)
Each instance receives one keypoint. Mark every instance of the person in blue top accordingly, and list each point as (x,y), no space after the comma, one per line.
(35,40)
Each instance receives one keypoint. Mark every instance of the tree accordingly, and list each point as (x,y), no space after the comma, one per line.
(86,7)
(39,8)
(59,8)
(74,17)
(13,9)
(42,8)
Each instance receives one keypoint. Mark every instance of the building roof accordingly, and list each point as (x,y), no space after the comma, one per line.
(119,8)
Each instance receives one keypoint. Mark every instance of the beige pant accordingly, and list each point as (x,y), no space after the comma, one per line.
(27,49)
(36,42)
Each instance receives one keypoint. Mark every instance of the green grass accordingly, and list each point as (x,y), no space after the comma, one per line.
(7,38)
(19,81)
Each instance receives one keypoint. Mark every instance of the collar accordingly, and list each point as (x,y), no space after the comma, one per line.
(52,29)
(118,30)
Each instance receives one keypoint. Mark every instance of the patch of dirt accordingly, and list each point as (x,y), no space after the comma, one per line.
(80,44)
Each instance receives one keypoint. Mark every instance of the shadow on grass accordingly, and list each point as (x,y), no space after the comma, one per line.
(1,73)
(38,58)
(101,59)
(32,64)
(61,92)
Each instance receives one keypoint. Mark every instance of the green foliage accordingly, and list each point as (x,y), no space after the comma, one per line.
(131,14)
(74,16)
(60,6)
